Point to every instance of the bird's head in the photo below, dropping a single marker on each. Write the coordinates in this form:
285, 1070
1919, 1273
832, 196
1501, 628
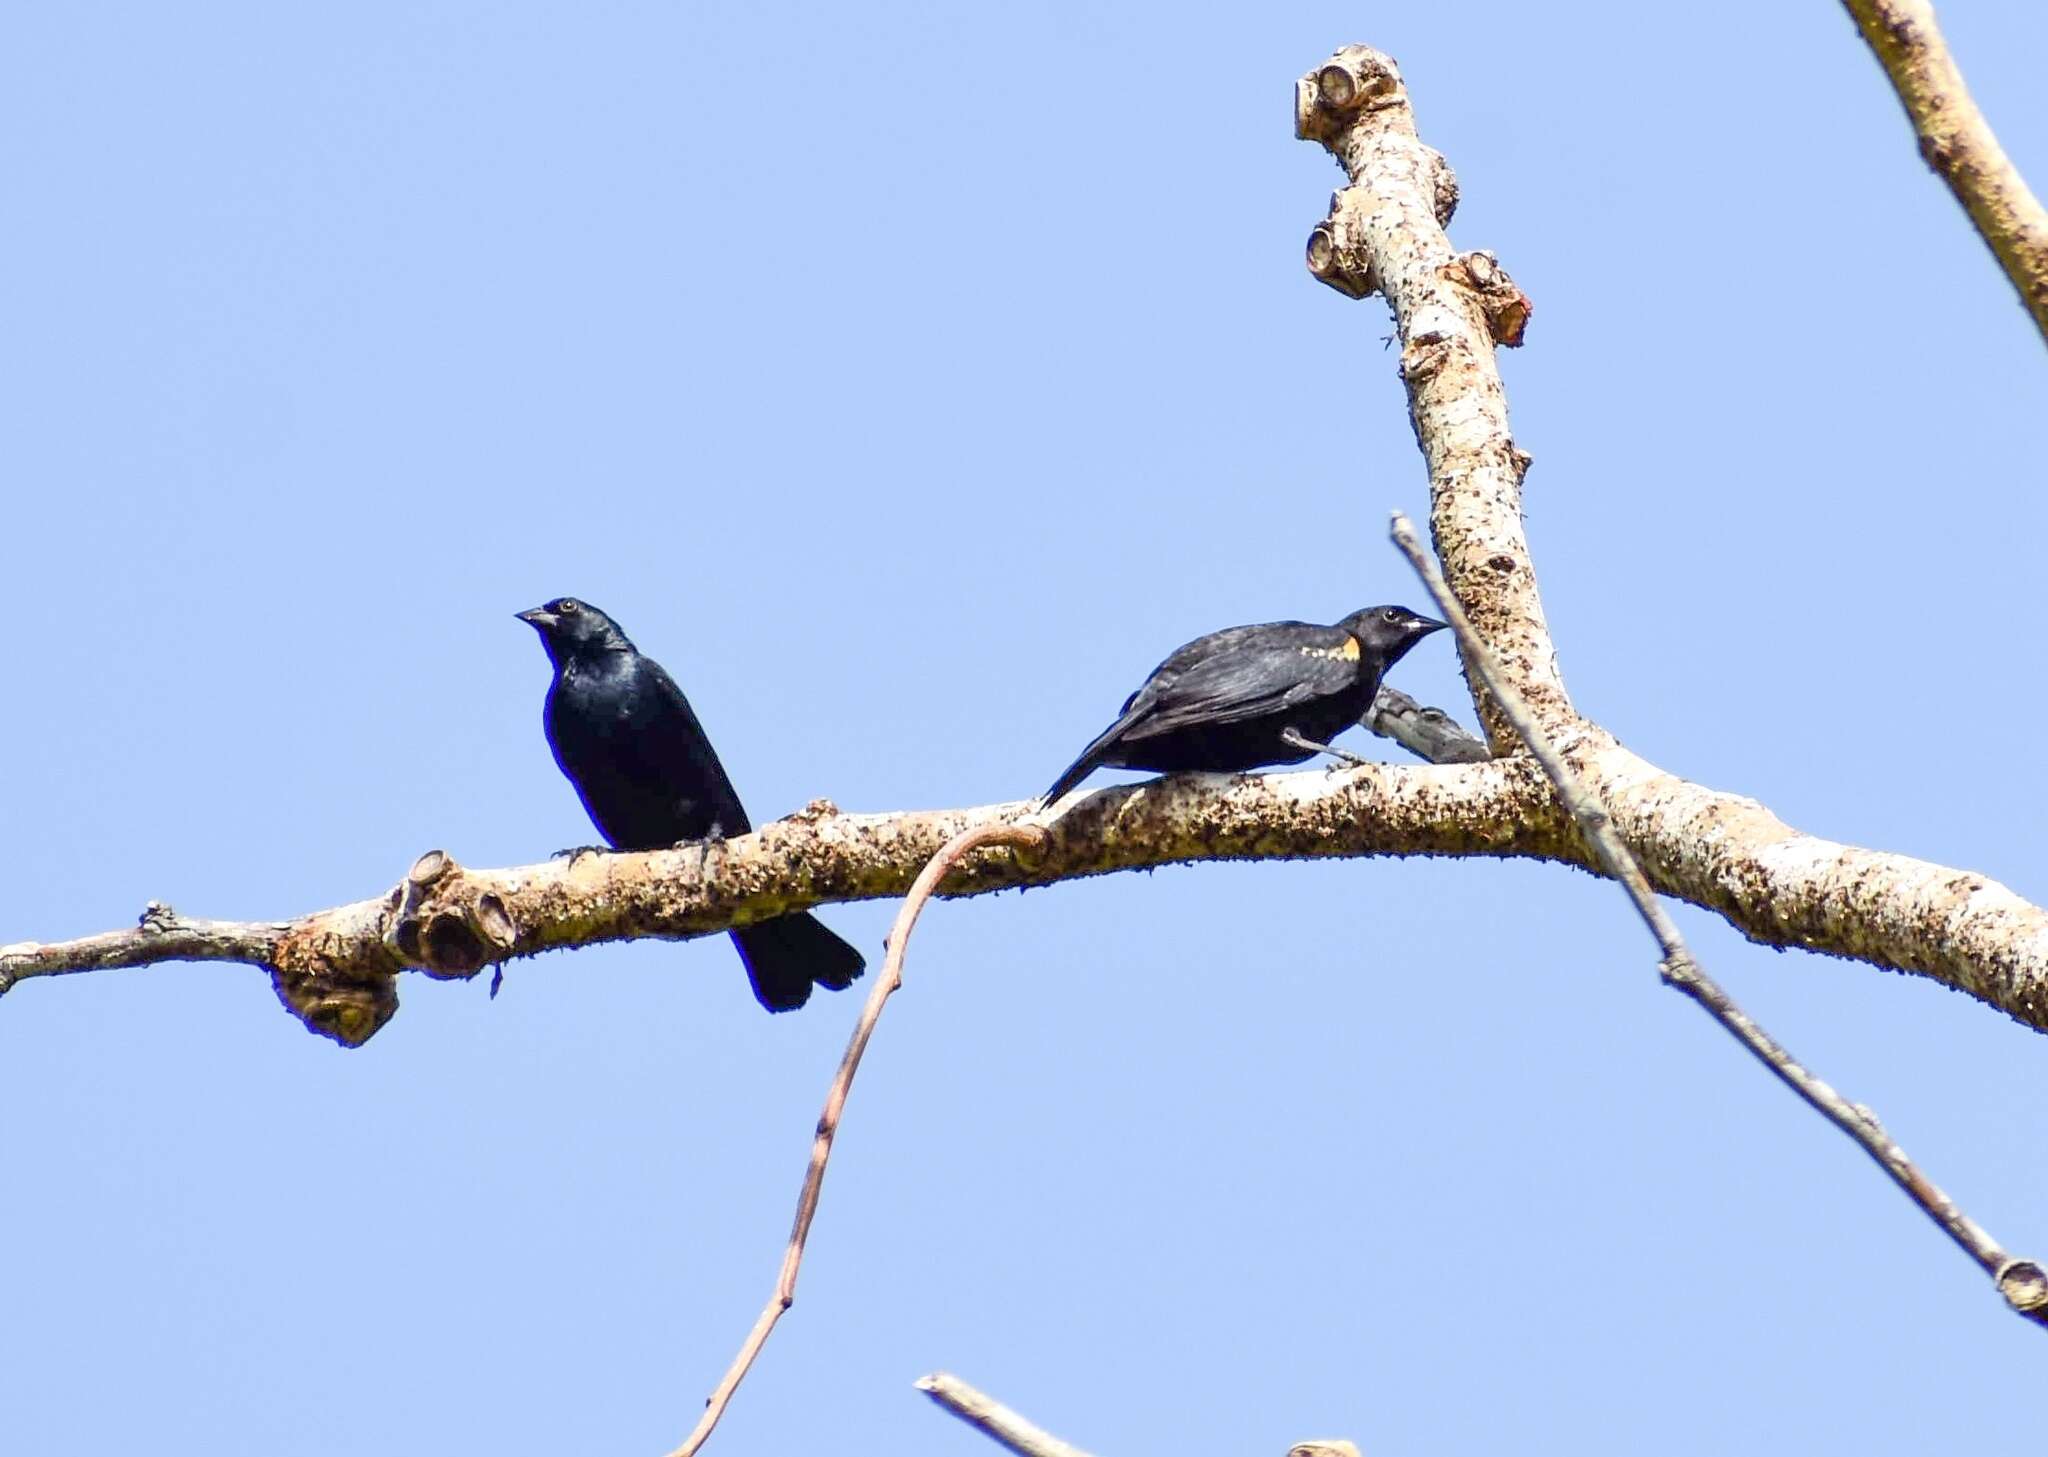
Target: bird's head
569, 627
1389, 631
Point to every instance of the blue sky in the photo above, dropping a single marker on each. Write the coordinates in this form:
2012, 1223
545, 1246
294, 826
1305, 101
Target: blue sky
910, 381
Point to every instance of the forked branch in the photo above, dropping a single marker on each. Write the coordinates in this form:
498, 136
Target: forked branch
1385, 235
2023, 1283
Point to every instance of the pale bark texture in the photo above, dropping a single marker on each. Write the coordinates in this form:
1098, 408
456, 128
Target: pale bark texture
994, 1420
337, 969
1958, 142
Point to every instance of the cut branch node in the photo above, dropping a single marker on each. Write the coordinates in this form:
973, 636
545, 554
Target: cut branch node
451, 948
2024, 1285
1443, 186
1342, 268
1506, 307
1356, 80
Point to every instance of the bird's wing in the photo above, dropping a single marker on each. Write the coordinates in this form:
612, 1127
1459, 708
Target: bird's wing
673, 747
1225, 677
1268, 671
1209, 648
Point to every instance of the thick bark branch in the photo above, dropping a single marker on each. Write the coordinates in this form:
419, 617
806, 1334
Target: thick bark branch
1959, 144
1780, 887
2022, 1282
335, 969
1385, 234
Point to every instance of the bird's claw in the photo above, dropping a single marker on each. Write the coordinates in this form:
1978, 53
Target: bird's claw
1295, 739
714, 839
576, 852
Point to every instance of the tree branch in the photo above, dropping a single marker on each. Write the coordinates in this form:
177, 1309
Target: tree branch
335, 969
993, 836
1429, 734
992, 1419
2023, 1283
1958, 143
1385, 234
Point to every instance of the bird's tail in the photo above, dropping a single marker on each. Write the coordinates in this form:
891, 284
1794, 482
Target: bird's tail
1092, 758
785, 955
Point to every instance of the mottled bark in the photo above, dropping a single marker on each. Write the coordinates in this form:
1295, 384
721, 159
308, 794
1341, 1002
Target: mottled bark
336, 968
1958, 143
1385, 233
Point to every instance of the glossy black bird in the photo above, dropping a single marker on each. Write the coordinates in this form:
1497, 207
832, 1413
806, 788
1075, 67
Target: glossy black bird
1274, 693
625, 736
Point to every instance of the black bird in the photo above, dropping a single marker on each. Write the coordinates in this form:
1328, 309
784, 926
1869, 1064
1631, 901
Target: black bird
625, 736
1274, 693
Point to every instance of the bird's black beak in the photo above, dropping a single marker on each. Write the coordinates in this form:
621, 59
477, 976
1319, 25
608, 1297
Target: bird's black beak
1424, 626
538, 618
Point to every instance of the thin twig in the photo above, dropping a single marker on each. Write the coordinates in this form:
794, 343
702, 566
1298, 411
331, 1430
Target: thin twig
993, 1419
160, 934
1958, 142
949, 857
2023, 1283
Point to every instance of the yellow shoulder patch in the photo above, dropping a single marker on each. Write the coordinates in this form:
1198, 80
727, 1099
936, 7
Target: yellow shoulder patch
1347, 653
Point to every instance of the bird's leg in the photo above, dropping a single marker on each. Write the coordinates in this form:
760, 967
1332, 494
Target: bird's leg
712, 839
1296, 740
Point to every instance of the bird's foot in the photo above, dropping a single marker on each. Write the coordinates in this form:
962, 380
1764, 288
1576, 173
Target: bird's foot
1346, 758
576, 852
714, 840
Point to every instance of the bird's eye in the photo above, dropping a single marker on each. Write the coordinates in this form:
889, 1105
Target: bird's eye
568, 607
1392, 614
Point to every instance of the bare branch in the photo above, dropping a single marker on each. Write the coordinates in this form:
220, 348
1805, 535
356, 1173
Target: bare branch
2022, 1282
1385, 234
335, 969
993, 1419
1958, 142
949, 858
1727, 853
1427, 733
160, 935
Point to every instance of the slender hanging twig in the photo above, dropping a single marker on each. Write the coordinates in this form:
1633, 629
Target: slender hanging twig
2023, 1283
955, 850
